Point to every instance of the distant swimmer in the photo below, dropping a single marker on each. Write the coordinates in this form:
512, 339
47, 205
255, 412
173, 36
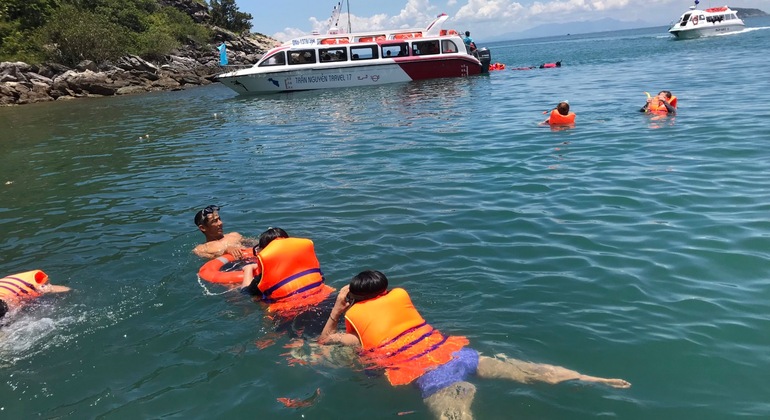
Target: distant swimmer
663, 103
217, 242
393, 336
550, 65
18, 289
542, 66
560, 115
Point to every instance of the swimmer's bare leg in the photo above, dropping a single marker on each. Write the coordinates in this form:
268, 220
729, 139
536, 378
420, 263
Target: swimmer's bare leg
452, 402
527, 372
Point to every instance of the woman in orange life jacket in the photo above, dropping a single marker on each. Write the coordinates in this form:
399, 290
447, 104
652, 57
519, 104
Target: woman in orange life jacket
560, 115
288, 277
18, 289
664, 103
393, 336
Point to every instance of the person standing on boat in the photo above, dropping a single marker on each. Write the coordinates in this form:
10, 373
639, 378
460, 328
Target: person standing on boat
469, 41
217, 242
393, 336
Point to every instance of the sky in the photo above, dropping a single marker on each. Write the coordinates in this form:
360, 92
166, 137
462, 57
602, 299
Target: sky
484, 18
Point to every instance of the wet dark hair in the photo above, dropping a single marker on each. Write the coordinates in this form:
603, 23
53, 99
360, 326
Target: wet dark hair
201, 216
367, 285
3, 308
467, 33
268, 236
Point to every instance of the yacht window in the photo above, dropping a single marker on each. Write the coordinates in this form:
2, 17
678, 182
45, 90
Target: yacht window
363, 53
277, 59
425, 47
448, 46
302, 57
333, 54
395, 50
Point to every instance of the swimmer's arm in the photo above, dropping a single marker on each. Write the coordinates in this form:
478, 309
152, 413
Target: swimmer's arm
330, 335
248, 274
54, 288
209, 250
669, 107
214, 249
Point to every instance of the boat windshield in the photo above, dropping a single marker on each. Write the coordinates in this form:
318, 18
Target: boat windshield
276, 59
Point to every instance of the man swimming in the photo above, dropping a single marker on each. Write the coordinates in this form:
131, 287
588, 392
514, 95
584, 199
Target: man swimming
217, 242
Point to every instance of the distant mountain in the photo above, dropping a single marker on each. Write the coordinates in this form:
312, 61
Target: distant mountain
744, 13
554, 29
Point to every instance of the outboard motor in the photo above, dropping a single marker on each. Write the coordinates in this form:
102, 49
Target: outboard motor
485, 56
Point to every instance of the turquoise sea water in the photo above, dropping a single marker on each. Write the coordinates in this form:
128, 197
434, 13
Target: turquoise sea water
626, 247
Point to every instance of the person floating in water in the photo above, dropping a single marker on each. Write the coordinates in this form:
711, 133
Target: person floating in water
287, 275
393, 336
550, 65
561, 115
217, 242
663, 103
18, 289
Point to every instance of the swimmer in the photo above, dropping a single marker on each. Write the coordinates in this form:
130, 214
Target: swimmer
217, 242
560, 115
663, 103
394, 336
287, 275
18, 289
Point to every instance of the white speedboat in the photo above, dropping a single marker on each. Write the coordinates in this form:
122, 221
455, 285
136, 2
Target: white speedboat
713, 21
337, 60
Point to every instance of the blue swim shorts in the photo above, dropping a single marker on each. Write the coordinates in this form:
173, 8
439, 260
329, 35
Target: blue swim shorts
464, 363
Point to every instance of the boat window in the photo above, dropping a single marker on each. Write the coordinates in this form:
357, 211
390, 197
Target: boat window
395, 50
448, 46
425, 47
302, 57
333, 54
363, 53
277, 59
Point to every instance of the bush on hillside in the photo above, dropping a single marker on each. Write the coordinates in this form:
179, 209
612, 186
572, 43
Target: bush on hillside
73, 35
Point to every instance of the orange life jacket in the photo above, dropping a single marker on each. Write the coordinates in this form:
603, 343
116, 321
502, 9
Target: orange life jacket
23, 286
557, 119
394, 336
657, 106
291, 276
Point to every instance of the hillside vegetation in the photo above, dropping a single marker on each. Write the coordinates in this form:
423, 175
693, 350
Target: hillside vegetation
70, 31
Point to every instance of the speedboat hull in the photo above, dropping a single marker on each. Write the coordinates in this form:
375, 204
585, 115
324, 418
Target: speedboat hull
396, 71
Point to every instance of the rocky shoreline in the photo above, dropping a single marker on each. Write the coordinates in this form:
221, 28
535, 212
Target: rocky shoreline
22, 83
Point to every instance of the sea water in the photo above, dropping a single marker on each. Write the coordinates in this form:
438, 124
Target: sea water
629, 246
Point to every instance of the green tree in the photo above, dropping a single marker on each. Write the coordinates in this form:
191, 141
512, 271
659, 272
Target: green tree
73, 35
224, 13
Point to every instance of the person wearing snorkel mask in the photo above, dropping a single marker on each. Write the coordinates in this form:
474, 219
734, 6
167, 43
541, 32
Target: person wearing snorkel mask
217, 242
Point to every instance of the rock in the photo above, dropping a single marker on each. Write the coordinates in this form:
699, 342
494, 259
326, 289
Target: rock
86, 65
190, 65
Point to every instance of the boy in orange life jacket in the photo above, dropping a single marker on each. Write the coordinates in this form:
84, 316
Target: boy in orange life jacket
217, 242
18, 289
393, 336
561, 115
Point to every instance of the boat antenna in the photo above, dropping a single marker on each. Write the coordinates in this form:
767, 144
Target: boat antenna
335, 17
349, 28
